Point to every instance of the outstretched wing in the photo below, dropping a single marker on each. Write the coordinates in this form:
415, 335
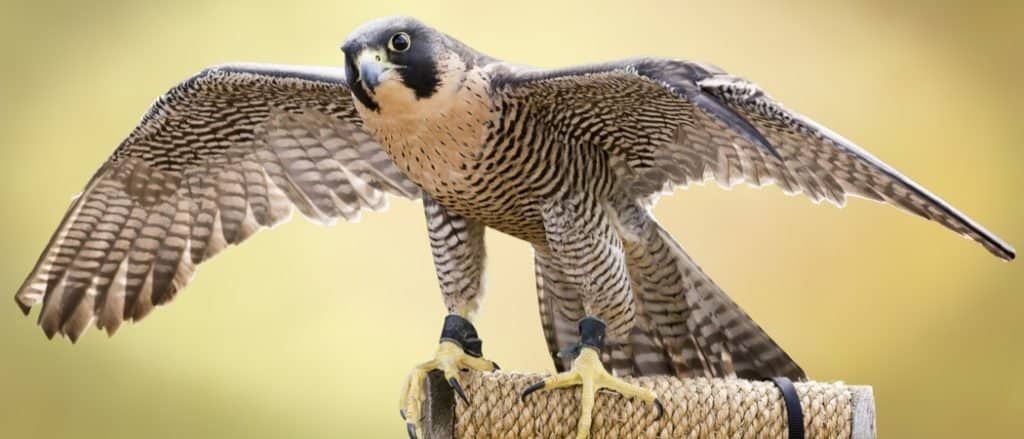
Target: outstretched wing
672, 123
220, 156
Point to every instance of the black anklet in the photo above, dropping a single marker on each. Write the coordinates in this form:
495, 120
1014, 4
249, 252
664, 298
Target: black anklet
591, 335
459, 331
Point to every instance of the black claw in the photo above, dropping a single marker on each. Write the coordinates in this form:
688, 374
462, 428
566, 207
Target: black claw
661, 409
412, 430
458, 389
496, 367
402, 413
533, 388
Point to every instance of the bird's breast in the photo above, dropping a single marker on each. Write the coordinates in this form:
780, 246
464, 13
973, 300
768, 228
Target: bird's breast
454, 155
437, 149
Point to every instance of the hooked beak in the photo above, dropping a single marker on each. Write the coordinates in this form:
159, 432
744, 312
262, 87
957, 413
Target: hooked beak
373, 68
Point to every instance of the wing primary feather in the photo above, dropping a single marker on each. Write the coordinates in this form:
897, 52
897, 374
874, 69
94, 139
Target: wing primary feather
993, 243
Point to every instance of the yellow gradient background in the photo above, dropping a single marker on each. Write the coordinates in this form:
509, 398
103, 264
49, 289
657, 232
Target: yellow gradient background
307, 332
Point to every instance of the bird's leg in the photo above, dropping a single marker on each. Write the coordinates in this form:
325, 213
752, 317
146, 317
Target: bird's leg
457, 244
459, 349
588, 372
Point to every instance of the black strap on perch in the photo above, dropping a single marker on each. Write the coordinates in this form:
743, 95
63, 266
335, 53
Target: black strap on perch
794, 414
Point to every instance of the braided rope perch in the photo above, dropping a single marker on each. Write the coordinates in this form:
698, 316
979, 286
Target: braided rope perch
694, 408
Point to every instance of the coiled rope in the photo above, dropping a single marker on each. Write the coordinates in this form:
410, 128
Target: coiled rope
694, 408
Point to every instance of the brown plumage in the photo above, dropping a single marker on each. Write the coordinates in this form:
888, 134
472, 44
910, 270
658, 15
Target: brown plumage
567, 160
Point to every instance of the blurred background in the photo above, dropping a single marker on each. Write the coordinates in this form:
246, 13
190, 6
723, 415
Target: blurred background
308, 332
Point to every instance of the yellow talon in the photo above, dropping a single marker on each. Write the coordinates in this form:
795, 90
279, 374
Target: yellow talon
450, 358
588, 372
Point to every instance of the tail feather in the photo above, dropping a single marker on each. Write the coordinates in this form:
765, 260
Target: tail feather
703, 332
685, 324
642, 355
559, 330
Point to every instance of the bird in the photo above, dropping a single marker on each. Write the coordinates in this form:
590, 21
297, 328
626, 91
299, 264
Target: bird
569, 160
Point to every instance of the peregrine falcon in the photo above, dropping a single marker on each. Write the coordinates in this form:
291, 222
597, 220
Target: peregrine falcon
568, 160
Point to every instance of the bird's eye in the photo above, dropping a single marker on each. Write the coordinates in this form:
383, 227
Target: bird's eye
399, 42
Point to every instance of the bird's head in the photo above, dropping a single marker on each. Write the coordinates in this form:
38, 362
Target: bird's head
401, 66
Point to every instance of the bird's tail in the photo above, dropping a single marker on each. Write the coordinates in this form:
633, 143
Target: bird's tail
686, 324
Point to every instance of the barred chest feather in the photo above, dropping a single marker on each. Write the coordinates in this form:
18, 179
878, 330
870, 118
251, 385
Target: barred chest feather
436, 140
446, 145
